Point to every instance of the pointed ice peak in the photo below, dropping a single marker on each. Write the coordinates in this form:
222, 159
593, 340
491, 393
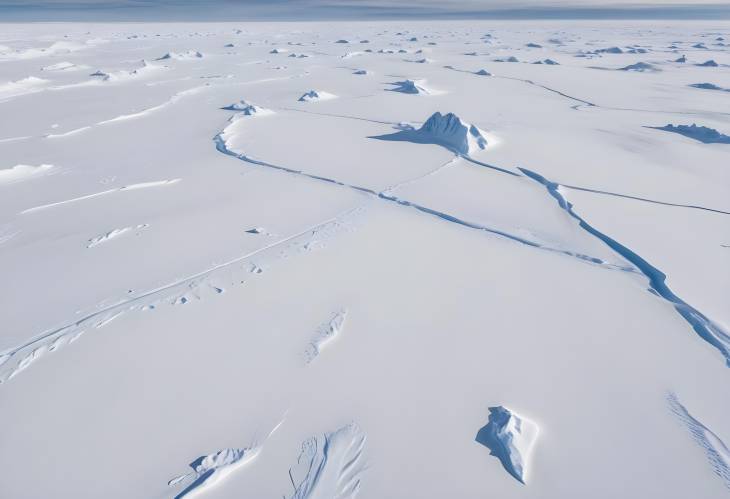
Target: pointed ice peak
450, 131
511, 438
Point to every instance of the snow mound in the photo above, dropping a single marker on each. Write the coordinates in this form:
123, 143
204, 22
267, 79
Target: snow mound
446, 130
550, 62
703, 134
508, 59
60, 66
641, 67
316, 95
325, 334
708, 64
609, 50
483, 72
278, 51
248, 109
330, 465
18, 173
23, 86
181, 56
361, 72
411, 87
511, 438
449, 130
210, 470
709, 86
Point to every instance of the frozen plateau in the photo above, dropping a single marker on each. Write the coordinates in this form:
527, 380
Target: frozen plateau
437, 259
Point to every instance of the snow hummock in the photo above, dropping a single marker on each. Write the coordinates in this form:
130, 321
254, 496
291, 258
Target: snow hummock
511, 438
316, 95
483, 72
411, 87
639, 67
708, 64
18, 173
102, 238
709, 86
181, 56
700, 133
360, 72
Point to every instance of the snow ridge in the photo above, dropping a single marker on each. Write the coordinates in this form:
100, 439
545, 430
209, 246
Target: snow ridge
330, 466
325, 334
453, 133
717, 452
210, 470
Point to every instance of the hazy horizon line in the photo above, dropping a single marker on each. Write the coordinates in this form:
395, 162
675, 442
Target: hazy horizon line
84, 12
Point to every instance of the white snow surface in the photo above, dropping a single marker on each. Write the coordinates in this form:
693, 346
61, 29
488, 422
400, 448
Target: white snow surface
188, 252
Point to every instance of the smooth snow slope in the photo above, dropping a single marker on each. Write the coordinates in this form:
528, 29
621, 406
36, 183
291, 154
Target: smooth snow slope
191, 256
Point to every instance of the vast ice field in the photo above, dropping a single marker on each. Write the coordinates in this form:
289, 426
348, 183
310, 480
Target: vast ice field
373, 260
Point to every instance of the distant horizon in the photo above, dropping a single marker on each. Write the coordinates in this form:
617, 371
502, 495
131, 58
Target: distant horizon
311, 10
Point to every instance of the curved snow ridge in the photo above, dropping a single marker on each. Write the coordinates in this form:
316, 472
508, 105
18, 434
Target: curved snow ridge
702, 134
330, 466
511, 438
131, 187
209, 471
17, 359
63, 66
316, 95
107, 236
705, 328
325, 334
172, 100
717, 452
19, 173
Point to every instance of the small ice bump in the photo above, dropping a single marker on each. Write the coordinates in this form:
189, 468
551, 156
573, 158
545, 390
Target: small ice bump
416, 87
483, 72
316, 95
511, 438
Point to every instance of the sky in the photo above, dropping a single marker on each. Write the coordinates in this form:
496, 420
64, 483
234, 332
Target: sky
239, 10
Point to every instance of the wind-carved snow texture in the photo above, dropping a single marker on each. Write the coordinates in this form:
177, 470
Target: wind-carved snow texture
102, 238
717, 452
15, 360
325, 334
709, 331
702, 134
209, 471
510, 438
330, 466
446, 130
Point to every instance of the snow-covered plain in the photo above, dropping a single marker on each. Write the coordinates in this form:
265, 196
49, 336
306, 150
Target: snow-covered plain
251, 260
